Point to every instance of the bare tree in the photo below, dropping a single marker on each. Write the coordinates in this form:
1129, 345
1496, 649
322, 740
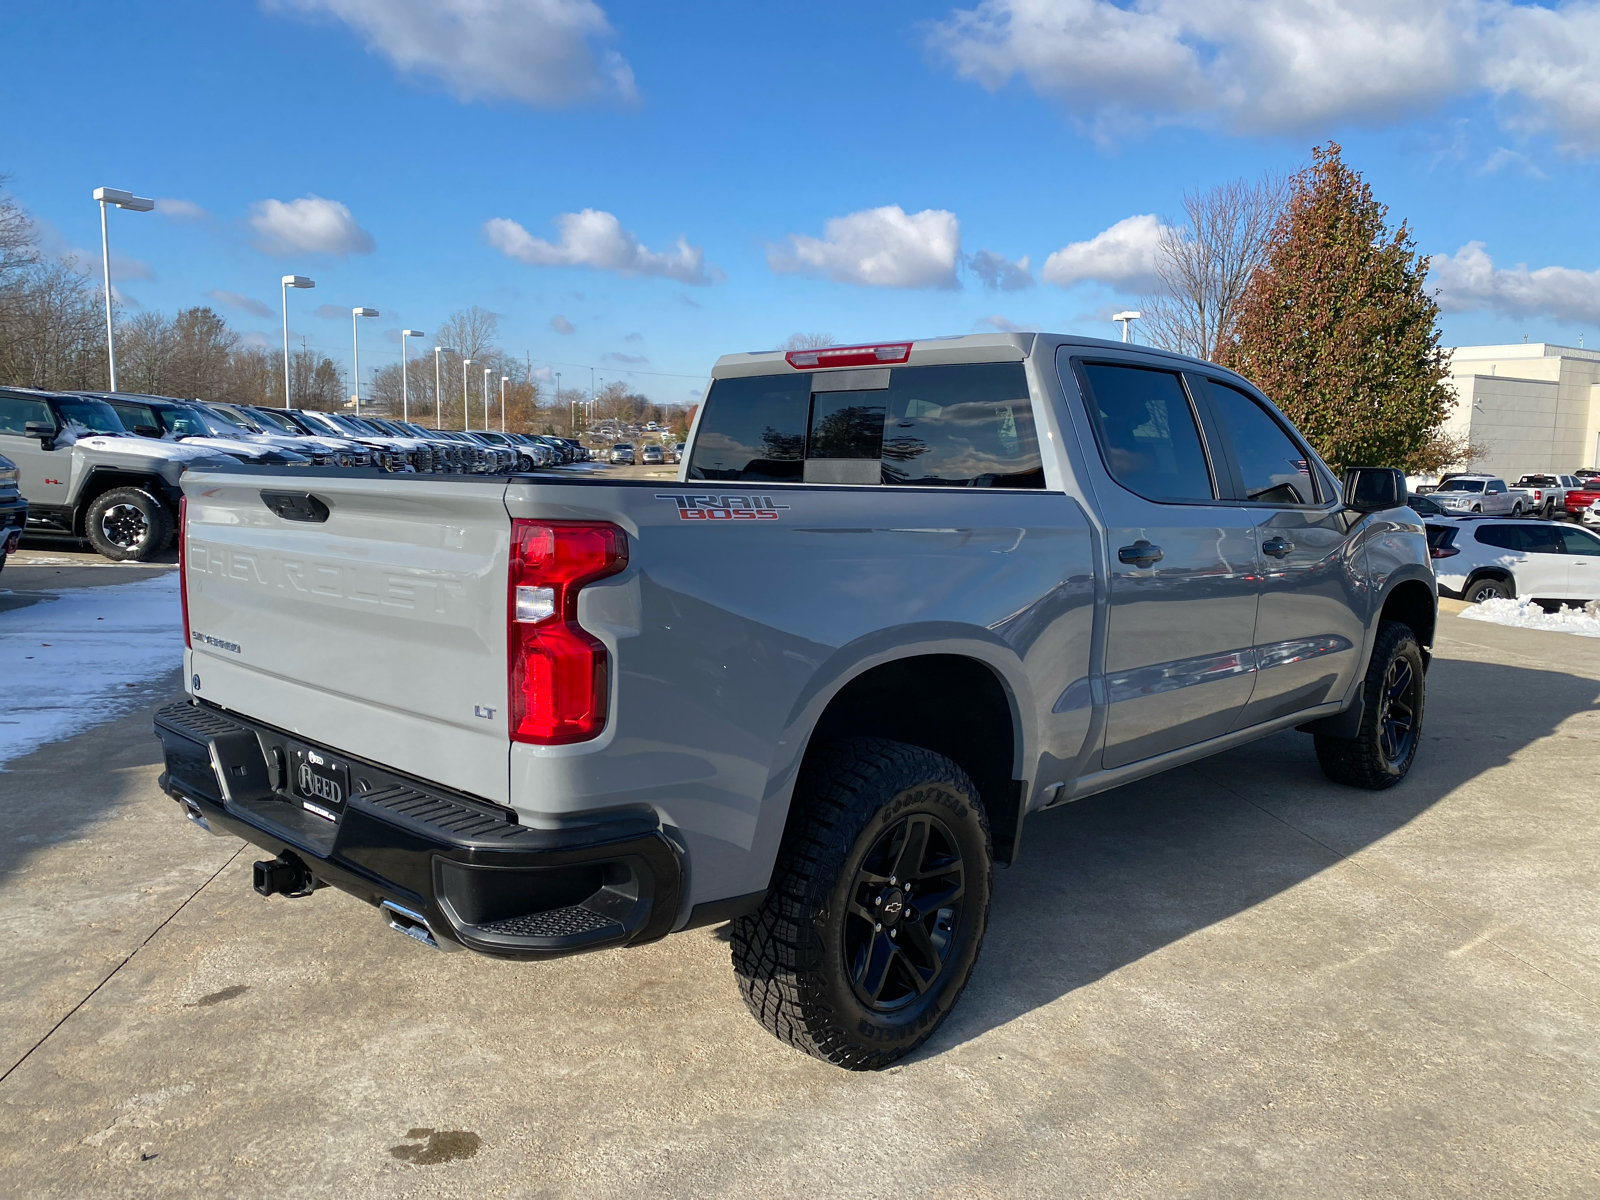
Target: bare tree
1205, 265
807, 341
51, 329
17, 249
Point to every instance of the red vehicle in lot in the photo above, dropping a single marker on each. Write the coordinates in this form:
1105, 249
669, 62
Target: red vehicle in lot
1580, 498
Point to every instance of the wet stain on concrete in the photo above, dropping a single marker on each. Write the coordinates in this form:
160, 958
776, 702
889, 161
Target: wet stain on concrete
227, 993
438, 1146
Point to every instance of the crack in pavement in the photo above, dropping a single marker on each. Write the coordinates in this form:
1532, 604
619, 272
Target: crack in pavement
112, 973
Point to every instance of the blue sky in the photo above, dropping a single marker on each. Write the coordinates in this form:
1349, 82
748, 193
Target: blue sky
670, 183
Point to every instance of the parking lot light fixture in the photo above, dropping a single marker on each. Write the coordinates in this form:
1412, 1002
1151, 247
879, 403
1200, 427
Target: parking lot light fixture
290, 281
405, 400
487, 371
125, 200
355, 340
504, 379
1127, 319
438, 387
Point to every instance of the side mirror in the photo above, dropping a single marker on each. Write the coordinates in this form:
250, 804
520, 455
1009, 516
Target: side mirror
1374, 489
43, 430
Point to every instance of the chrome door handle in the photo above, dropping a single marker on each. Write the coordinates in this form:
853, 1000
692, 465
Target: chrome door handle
1141, 553
1277, 547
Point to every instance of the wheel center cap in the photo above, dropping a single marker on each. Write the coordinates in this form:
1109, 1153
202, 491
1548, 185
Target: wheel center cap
894, 906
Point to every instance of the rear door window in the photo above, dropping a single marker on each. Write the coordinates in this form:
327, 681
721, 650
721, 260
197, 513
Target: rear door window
1147, 432
1274, 469
1502, 537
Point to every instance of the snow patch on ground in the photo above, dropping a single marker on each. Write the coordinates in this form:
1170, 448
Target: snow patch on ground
81, 657
1525, 614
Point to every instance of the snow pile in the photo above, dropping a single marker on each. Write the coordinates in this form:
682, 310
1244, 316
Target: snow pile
82, 657
1525, 614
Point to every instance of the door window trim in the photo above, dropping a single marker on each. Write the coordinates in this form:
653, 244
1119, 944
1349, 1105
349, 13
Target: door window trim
1078, 361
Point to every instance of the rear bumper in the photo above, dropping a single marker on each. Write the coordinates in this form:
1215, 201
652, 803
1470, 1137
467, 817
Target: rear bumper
460, 864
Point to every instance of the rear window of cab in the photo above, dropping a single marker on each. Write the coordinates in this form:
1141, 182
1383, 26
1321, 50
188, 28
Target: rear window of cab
957, 425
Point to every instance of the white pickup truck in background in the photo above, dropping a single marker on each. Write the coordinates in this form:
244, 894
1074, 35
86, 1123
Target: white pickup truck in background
1487, 494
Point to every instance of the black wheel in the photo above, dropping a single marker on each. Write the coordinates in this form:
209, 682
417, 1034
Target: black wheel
1480, 590
878, 904
1381, 754
1477, 508
1516, 509
128, 525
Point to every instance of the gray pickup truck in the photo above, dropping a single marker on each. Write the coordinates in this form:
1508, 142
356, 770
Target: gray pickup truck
899, 598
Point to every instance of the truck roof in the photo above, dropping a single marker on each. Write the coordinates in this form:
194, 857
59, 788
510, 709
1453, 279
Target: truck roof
919, 352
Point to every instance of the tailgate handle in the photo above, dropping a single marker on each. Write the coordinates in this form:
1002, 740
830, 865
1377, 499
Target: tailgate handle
296, 506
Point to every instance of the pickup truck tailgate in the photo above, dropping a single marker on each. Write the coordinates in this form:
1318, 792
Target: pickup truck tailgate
369, 617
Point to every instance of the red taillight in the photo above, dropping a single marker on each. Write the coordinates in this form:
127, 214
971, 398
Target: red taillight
558, 670
849, 356
183, 563
1444, 551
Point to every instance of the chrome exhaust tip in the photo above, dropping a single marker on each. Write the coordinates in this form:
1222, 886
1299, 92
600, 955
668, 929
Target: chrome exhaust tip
414, 925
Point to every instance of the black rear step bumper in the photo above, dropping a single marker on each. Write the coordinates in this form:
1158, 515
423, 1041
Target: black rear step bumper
460, 864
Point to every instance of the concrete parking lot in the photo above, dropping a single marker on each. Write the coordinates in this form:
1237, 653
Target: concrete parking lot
1235, 979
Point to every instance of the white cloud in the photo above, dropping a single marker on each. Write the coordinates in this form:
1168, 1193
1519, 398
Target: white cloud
332, 312
1275, 66
1503, 158
561, 325
1469, 280
879, 247
540, 52
1123, 256
181, 210
243, 303
52, 244
635, 359
592, 238
999, 273
310, 224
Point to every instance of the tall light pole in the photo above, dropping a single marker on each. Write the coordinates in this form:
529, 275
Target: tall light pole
438, 387
132, 203
465, 363
487, 371
355, 340
1127, 319
290, 281
558, 388
504, 379
405, 400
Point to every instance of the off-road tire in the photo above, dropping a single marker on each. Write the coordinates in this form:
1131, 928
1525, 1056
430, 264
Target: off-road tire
1516, 509
1487, 588
851, 801
139, 546
1373, 759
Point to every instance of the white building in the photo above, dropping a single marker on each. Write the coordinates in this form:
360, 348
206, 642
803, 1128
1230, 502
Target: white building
1531, 407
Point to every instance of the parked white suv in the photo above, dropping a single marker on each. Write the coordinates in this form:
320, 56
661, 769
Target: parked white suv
1476, 559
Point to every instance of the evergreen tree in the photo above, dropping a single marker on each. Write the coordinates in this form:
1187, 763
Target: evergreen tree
1338, 328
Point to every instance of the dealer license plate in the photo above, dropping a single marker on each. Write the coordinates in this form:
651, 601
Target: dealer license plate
321, 783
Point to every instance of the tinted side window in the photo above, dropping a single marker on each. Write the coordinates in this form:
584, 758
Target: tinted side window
1497, 487
1502, 537
753, 428
1275, 470
966, 425
136, 414
15, 413
846, 425
1147, 432
1579, 541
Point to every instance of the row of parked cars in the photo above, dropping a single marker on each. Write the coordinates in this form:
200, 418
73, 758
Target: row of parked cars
1540, 495
105, 465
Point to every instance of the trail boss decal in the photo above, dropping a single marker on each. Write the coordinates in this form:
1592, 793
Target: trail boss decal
724, 508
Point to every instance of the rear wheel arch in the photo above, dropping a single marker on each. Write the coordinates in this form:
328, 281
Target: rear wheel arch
952, 704
1498, 573
1412, 602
